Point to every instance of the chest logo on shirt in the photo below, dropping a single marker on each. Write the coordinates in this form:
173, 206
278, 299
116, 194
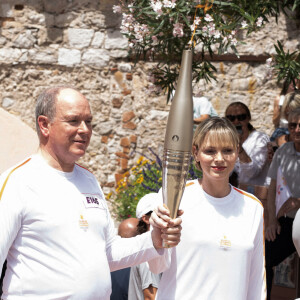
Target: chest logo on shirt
93, 201
225, 243
83, 224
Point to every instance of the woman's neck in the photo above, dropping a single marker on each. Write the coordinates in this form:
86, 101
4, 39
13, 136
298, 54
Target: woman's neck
218, 188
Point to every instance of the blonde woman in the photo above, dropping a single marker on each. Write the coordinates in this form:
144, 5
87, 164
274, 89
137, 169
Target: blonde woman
221, 254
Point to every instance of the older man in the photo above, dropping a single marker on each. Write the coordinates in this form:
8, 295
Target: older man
55, 228
285, 178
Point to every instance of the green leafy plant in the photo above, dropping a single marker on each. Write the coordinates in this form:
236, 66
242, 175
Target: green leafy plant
145, 177
162, 29
286, 66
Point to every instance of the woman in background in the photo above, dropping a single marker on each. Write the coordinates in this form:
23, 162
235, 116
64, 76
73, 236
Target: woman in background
252, 164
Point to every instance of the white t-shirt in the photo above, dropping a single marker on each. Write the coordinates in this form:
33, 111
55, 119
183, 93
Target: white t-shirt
202, 106
58, 236
221, 253
256, 171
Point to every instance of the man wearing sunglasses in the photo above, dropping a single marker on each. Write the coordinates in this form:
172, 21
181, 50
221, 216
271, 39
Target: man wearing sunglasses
279, 244
252, 165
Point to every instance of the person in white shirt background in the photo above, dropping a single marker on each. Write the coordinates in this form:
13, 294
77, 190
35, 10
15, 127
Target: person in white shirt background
252, 164
279, 243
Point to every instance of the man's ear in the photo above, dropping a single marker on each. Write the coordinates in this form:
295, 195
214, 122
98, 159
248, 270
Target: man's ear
44, 123
146, 218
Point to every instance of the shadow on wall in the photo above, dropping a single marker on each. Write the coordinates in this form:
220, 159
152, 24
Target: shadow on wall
18, 140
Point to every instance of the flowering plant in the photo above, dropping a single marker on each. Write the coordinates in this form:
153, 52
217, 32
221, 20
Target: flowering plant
164, 28
145, 177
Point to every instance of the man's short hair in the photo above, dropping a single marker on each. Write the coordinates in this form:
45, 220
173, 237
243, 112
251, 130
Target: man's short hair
46, 104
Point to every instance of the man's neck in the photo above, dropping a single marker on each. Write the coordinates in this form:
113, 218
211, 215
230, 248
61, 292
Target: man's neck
54, 161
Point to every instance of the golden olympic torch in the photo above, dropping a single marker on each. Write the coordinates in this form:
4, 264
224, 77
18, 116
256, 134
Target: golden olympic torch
178, 139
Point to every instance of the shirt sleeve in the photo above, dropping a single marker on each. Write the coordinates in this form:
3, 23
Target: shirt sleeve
272, 173
147, 277
257, 276
256, 149
161, 263
10, 216
126, 252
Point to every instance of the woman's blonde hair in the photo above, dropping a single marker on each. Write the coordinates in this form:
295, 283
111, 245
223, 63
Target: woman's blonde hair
219, 130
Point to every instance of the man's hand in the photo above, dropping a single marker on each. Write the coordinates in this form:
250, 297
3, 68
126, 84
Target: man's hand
165, 229
273, 229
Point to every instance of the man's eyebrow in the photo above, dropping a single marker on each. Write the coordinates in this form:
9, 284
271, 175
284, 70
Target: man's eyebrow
75, 116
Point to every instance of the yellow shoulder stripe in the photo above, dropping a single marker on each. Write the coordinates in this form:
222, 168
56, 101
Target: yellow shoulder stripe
249, 195
188, 184
5, 182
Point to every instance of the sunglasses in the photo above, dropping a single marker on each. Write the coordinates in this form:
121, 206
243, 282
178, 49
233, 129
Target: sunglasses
241, 117
293, 125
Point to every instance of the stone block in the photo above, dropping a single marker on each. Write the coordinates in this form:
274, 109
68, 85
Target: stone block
125, 67
2, 40
96, 58
115, 40
127, 116
104, 139
129, 76
124, 163
126, 150
110, 178
25, 40
39, 19
118, 53
133, 139
124, 142
129, 125
98, 39
10, 55
45, 56
80, 38
126, 92
105, 128
122, 155
117, 102
118, 177
7, 102
157, 115
24, 57
69, 57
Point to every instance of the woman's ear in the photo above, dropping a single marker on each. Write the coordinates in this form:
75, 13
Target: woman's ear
195, 152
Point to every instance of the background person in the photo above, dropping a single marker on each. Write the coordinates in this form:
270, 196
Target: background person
202, 109
143, 283
120, 278
252, 165
279, 244
281, 132
55, 226
221, 254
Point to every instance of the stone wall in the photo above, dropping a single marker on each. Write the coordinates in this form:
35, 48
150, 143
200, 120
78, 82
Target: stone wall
77, 42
